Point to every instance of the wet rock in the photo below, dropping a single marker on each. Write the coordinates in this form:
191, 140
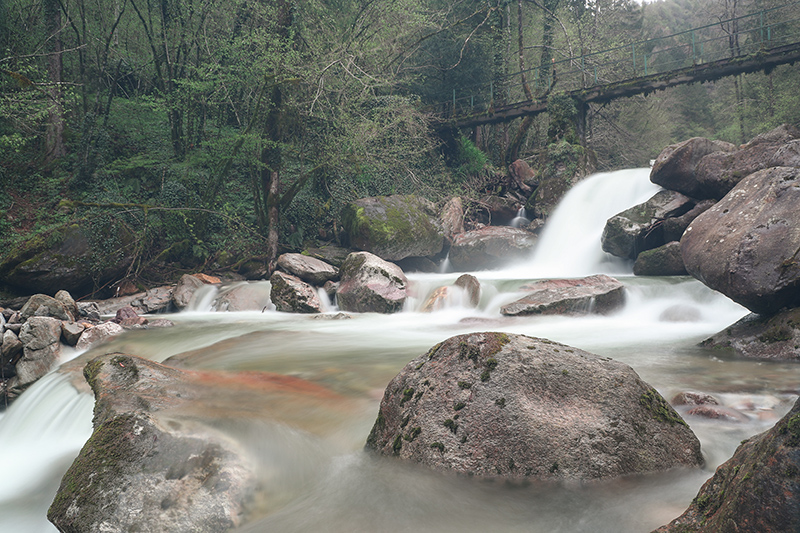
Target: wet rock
490, 247
307, 268
370, 284
452, 218
675, 166
436, 300
517, 407
89, 310
11, 346
470, 283
244, 297
160, 323
290, 294
501, 210
97, 334
523, 175
43, 305
637, 229
665, 260
206, 279
69, 303
335, 255
71, 332
680, 313
465, 291
185, 289
394, 227
151, 301
673, 227
694, 398
128, 318
40, 338
762, 337
142, 471
756, 490
599, 294
719, 173
718, 412
746, 246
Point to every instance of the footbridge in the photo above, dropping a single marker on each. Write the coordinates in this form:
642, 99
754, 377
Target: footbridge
758, 41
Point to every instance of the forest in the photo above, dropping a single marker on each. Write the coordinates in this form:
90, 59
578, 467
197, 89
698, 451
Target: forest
222, 131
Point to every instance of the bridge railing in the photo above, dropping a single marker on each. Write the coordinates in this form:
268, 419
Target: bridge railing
730, 38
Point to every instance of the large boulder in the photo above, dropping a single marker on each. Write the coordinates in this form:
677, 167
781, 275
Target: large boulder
637, 229
44, 305
599, 294
718, 173
665, 260
244, 297
185, 289
517, 407
452, 218
370, 284
151, 301
756, 490
290, 294
675, 166
394, 227
490, 247
40, 337
309, 269
746, 246
98, 334
140, 471
762, 337
76, 257
673, 227
465, 291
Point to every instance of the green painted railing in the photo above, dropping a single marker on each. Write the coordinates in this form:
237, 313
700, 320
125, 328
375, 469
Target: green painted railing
730, 38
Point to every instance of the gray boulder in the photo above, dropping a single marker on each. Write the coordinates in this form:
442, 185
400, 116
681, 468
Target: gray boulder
673, 227
490, 247
370, 284
675, 166
11, 346
309, 269
150, 301
140, 471
665, 260
40, 337
244, 297
599, 294
519, 408
762, 337
394, 227
637, 229
452, 218
98, 334
44, 305
756, 490
185, 289
746, 246
290, 294
71, 332
69, 303
470, 294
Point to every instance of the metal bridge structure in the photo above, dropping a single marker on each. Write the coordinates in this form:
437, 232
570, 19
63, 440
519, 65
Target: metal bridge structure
758, 41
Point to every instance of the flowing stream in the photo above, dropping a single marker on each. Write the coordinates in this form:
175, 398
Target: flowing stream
315, 473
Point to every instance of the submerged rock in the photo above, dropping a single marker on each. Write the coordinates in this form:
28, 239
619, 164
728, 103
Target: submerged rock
746, 246
517, 407
490, 247
756, 490
469, 294
370, 284
599, 294
762, 337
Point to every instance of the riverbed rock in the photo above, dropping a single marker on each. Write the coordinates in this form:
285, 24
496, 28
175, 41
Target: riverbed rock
69, 303
673, 227
370, 284
452, 218
600, 294
71, 332
244, 297
490, 247
665, 260
675, 166
394, 227
756, 490
151, 301
307, 268
517, 407
718, 412
746, 246
11, 346
330, 253
501, 210
290, 294
76, 257
637, 229
694, 398
97, 334
40, 336
128, 318
184, 290
145, 470
44, 305
762, 337
465, 291
718, 173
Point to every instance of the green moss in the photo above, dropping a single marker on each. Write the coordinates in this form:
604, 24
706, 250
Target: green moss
500, 402
793, 429
450, 424
407, 395
659, 408
413, 434
459, 406
464, 385
485, 375
777, 333
438, 446
397, 444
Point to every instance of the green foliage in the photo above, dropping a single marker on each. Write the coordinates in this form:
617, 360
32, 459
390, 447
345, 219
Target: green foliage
469, 158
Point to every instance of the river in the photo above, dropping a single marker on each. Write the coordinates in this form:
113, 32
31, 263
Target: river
315, 474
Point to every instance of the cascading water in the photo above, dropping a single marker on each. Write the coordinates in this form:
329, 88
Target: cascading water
323, 481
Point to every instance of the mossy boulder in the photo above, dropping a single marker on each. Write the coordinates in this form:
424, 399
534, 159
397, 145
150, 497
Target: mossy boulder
77, 257
394, 227
762, 337
665, 260
756, 490
522, 408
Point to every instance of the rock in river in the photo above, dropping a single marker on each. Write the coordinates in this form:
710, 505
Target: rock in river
599, 294
517, 407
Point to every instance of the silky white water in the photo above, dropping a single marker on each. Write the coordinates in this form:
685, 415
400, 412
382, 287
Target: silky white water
316, 477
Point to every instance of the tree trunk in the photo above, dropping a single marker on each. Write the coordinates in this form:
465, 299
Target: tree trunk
273, 218
54, 137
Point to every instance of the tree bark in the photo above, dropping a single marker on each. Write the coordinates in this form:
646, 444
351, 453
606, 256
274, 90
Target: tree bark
54, 137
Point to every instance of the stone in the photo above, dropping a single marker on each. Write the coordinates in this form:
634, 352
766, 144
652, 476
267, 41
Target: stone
501, 210
673, 227
680, 313
637, 229
207, 279
497, 405
761, 337
185, 289
719, 173
394, 227
44, 305
465, 291
244, 297
140, 471
523, 175
160, 323
40, 338
332, 254
11, 346
69, 303
307, 268
153, 300
472, 286
370, 284
665, 260
756, 490
718, 412
97, 334
71, 332
89, 310
290, 294
452, 218
490, 247
599, 294
128, 318
746, 246
675, 166
694, 398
